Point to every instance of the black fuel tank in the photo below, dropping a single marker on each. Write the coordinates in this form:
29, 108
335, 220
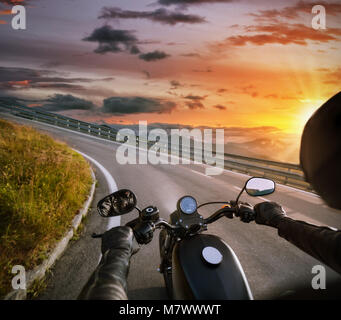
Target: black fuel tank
196, 278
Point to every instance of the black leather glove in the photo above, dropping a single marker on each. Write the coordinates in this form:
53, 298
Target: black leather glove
269, 214
143, 230
119, 237
246, 212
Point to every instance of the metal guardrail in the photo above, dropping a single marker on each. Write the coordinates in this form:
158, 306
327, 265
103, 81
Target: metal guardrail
284, 173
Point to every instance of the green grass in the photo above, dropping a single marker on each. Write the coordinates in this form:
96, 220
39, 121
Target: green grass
43, 184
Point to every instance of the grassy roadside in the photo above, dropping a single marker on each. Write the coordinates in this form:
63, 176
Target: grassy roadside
43, 183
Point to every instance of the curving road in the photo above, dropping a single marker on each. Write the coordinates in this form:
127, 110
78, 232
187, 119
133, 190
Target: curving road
272, 265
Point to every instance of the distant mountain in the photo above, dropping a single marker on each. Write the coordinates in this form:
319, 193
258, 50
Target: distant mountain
265, 148
268, 148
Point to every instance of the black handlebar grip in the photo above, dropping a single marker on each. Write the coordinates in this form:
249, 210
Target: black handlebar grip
143, 232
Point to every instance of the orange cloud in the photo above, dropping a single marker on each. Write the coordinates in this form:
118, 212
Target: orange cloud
282, 34
3, 22
331, 76
294, 12
219, 107
5, 12
12, 2
19, 83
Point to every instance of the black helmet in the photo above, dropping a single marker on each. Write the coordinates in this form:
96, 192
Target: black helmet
320, 154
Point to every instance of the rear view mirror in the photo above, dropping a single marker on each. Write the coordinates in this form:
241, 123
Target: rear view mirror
259, 187
118, 203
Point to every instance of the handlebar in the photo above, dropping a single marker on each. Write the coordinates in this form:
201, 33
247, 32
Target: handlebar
144, 230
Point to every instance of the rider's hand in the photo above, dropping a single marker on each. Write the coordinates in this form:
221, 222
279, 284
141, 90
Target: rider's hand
269, 213
246, 212
143, 230
119, 237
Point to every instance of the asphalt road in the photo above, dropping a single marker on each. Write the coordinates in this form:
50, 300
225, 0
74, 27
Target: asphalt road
271, 264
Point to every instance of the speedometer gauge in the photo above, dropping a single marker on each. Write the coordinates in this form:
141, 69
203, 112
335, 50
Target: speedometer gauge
188, 205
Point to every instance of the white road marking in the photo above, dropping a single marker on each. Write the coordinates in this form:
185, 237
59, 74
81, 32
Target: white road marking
264, 199
113, 221
202, 174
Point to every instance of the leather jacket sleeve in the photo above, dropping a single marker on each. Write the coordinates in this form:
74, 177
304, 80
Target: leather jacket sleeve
323, 243
109, 280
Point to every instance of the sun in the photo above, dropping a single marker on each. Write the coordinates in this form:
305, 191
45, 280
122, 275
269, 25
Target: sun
309, 106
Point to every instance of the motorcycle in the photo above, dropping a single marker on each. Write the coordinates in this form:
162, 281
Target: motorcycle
194, 265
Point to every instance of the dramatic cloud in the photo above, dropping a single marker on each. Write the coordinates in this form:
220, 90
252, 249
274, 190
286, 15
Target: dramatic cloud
60, 102
195, 102
192, 105
191, 55
207, 70
132, 105
195, 98
12, 78
6, 12
282, 34
219, 107
153, 56
26, 84
222, 90
111, 40
14, 2
282, 97
249, 90
175, 84
331, 76
13, 101
160, 15
293, 12
190, 2
21, 74
8, 74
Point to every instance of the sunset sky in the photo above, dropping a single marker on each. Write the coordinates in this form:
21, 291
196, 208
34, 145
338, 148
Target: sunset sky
256, 68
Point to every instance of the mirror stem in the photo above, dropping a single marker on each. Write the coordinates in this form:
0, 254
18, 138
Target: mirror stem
240, 193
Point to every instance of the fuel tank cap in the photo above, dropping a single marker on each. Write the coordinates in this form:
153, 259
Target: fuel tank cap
212, 255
